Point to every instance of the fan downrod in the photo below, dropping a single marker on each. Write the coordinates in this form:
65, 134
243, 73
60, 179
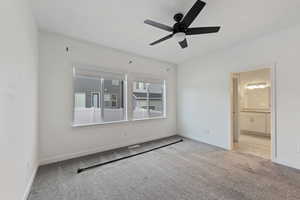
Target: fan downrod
178, 17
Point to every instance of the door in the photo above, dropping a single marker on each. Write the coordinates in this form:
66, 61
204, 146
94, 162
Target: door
96, 106
96, 100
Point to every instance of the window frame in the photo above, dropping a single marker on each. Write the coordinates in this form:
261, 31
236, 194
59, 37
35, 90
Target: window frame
128, 87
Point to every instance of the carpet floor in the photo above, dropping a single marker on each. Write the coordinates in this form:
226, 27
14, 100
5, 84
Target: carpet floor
188, 170
255, 145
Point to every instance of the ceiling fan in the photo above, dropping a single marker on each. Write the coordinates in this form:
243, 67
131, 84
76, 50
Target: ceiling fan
181, 28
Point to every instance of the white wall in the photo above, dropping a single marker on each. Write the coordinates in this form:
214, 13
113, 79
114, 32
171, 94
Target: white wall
18, 99
204, 91
58, 140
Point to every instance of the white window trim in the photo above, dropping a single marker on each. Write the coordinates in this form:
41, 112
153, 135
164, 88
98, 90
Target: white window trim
102, 123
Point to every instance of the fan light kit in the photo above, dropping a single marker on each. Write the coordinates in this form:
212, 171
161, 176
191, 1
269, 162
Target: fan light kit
179, 37
257, 86
181, 28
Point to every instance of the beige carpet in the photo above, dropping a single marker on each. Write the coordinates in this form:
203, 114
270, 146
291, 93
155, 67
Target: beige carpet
185, 171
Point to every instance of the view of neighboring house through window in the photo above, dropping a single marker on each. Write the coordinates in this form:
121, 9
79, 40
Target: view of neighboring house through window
148, 99
101, 97
98, 97
156, 94
113, 99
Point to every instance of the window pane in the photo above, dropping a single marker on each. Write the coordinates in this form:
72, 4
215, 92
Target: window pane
140, 101
86, 100
113, 100
148, 100
98, 96
155, 100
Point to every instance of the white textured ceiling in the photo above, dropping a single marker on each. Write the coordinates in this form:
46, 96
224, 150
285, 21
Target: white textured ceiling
119, 23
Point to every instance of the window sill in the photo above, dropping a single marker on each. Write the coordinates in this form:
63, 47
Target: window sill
150, 118
116, 122
102, 123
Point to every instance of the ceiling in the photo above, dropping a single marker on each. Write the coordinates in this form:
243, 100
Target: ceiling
119, 24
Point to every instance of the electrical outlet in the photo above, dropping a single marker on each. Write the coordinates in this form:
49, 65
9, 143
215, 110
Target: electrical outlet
206, 132
298, 148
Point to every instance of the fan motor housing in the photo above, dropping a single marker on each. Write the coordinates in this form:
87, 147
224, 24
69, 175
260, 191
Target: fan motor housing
179, 27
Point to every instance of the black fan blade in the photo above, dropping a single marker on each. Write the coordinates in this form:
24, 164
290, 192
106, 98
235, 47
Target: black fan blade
183, 43
162, 39
202, 30
193, 13
158, 25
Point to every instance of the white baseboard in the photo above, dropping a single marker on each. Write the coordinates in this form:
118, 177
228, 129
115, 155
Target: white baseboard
63, 157
277, 161
286, 163
205, 142
29, 185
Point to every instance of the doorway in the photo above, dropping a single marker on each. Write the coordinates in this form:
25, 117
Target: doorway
95, 100
252, 113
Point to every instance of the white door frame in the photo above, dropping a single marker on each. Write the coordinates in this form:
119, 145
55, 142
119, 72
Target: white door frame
234, 116
274, 115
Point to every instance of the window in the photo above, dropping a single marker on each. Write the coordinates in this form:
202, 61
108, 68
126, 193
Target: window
98, 97
148, 99
101, 97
